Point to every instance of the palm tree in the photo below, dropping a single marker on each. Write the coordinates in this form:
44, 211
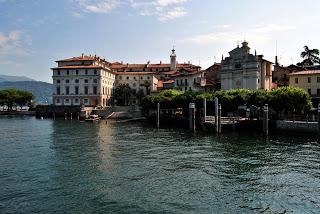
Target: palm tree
147, 85
310, 56
123, 94
140, 95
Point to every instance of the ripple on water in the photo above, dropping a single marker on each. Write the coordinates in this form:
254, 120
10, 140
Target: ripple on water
57, 166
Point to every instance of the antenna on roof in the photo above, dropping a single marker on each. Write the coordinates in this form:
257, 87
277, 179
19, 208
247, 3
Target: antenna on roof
215, 59
277, 61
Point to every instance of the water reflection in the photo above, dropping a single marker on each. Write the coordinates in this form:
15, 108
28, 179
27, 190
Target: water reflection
63, 166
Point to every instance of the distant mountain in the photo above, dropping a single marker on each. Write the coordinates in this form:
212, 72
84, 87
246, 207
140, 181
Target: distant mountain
6, 78
41, 90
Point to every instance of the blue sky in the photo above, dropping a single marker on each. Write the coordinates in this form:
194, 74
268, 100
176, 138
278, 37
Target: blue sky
35, 33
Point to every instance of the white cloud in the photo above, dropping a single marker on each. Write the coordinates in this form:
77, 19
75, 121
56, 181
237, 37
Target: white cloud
7, 62
225, 37
164, 10
98, 6
259, 34
176, 12
14, 43
268, 28
164, 3
221, 26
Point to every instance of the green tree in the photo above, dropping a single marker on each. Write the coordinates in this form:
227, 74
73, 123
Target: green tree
287, 99
290, 99
14, 97
310, 56
123, 94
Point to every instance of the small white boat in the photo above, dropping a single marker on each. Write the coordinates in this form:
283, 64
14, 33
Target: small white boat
93, 118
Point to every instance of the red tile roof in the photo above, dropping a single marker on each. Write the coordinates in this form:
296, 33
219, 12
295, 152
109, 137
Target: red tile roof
136, 73
78, 67
169, 72
168, 82
186, 74
153, 66
84, 58
305, 72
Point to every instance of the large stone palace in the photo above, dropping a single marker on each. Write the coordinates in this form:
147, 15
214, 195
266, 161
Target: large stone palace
91, 80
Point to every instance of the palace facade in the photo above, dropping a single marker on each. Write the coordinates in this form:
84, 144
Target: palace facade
84, 80
91, 80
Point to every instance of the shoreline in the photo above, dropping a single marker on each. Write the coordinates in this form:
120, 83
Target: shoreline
276, 126
18, 113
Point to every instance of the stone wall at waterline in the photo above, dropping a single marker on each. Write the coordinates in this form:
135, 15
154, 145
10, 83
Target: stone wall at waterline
297, 126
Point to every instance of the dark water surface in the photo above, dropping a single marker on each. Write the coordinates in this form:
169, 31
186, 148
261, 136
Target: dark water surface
69, 167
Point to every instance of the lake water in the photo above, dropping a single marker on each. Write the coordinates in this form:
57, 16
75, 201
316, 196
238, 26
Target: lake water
70, 167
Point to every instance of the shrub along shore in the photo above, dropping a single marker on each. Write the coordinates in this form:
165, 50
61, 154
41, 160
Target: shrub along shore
283, 99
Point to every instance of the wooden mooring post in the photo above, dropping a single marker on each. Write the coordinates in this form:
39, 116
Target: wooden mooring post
158, 115
216, 112
65, 116
192, 116
265, 123
319, 118
54, 116
71, 116
205, 109
219, 119
78, 116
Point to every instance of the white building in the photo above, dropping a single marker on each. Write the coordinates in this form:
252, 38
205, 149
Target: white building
189, 81
91, 81
84, 80
160, 73
244, 70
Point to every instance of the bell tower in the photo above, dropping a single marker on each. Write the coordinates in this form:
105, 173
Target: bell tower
173, 60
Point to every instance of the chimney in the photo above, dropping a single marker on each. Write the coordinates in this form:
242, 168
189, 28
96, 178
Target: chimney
82, 55
277, 61
160, 62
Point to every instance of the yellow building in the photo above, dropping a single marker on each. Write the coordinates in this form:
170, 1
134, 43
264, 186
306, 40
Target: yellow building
307, 80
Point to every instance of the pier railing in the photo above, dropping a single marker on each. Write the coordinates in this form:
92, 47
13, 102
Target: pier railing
224, 120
